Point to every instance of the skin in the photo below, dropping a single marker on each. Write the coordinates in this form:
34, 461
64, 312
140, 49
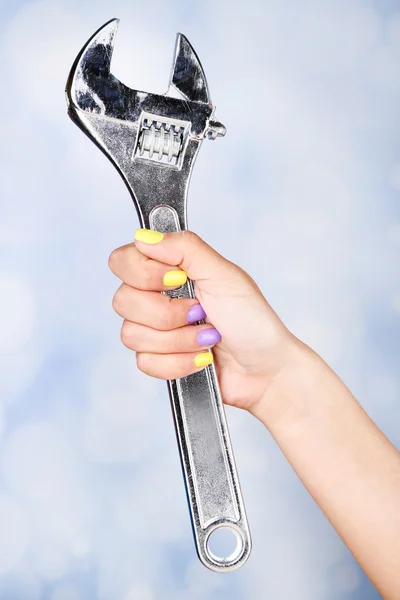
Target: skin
343, 459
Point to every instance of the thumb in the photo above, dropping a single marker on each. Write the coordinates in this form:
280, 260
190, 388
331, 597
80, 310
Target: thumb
186, 250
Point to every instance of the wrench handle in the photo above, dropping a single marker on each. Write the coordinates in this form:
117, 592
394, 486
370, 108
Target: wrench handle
210, 475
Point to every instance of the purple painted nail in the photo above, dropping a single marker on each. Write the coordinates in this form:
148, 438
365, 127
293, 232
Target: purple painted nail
208, 337
195, 313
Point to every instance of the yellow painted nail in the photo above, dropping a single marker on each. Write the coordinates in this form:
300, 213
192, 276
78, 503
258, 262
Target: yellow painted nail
148, 236
203, 359
175, 278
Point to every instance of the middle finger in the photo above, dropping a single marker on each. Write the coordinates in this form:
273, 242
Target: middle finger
155, 310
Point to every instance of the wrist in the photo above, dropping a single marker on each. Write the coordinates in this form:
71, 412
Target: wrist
291, 395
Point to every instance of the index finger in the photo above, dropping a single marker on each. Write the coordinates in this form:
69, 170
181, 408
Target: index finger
143, 273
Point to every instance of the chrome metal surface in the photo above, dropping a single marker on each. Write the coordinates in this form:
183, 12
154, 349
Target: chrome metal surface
153, 141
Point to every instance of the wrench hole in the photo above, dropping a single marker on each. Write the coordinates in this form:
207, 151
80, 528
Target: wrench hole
224, 544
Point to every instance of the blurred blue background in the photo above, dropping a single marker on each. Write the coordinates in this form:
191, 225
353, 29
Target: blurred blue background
303, 192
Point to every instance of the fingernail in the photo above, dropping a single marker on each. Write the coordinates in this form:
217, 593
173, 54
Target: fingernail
208, 337
203, 359
175, 278
195, 313
148, 236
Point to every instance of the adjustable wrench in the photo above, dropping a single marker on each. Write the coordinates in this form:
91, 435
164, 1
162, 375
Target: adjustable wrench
153, 141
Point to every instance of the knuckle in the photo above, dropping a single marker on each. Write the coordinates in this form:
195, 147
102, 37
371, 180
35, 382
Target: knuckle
146, 273
117, 301
142, 362
166, 318
177, 342
126, 336
114, 259
189, 237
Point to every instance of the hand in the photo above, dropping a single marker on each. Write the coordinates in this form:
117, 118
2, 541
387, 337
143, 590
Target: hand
251, 346
346, 463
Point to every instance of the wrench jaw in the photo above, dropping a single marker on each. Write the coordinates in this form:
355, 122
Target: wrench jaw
90, 71
89, 89
148, 137
187, 74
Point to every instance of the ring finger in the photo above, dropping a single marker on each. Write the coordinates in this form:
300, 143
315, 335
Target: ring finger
190, 338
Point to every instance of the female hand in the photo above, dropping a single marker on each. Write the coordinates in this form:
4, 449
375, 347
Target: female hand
251, 346
346, 463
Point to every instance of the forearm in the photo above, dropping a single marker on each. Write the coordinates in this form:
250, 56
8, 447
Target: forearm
343, 459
